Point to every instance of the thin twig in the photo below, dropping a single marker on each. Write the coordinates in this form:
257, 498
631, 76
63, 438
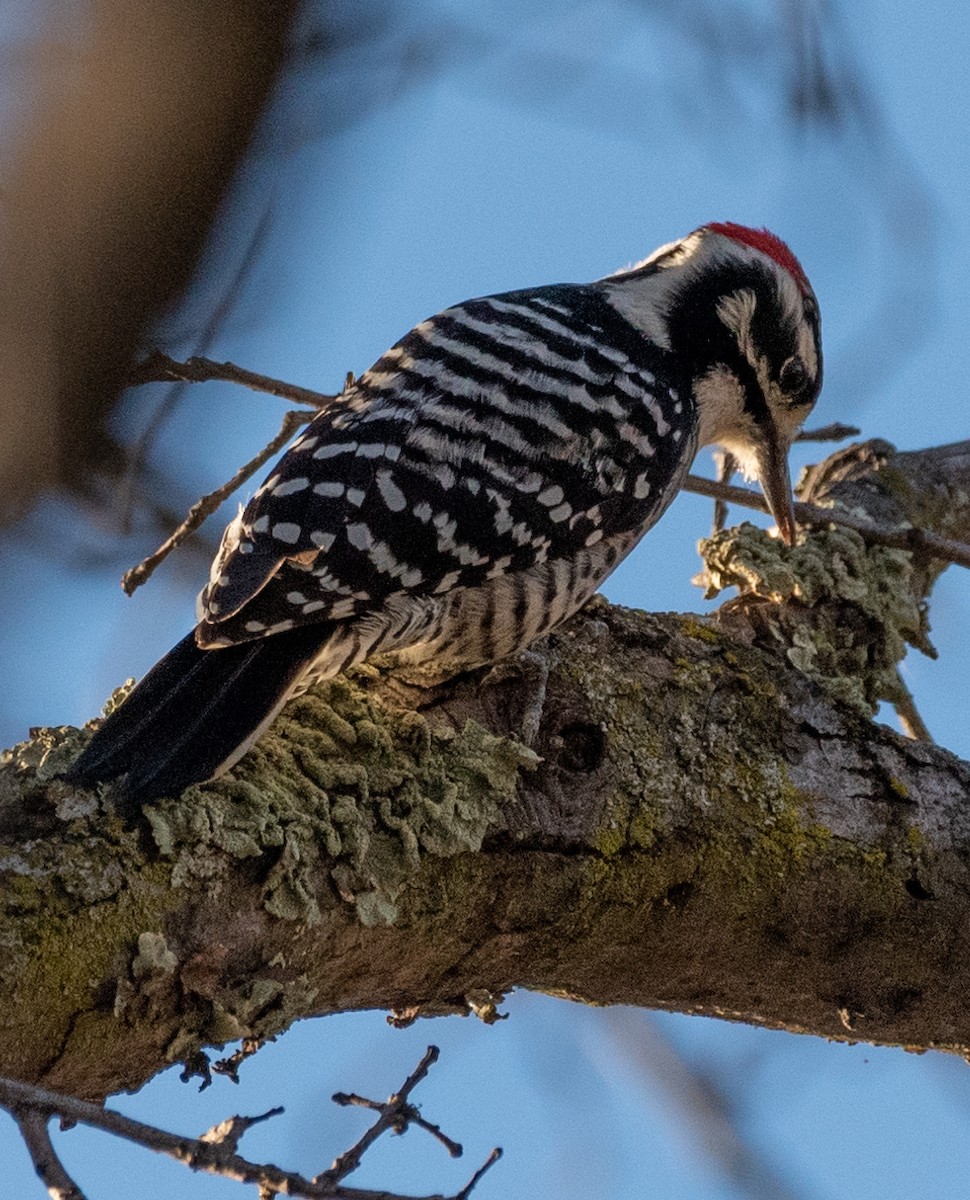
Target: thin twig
910, 721
455, 1149
134, 578
836, 432
726, 465
912, 539
230, 1131
32, 1106
492, 1159
159, 368
395, 1113
214, 321
50, 1170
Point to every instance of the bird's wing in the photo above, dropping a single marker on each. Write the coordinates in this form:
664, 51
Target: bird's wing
499, 434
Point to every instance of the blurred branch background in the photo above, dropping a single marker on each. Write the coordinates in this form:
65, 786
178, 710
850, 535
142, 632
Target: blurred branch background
131, 130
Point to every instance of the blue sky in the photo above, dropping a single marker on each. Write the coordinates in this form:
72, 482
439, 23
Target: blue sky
501, 171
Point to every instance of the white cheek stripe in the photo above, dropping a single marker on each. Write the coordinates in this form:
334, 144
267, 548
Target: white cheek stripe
737, 313
791, 296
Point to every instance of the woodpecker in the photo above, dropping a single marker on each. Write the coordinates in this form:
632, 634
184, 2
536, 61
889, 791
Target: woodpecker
475, 487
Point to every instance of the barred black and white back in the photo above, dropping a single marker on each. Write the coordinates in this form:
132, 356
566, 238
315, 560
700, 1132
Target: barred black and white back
475, 486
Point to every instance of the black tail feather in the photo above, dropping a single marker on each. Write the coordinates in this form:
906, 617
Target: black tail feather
192, 712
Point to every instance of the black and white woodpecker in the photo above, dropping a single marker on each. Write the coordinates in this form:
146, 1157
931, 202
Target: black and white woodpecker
476, 486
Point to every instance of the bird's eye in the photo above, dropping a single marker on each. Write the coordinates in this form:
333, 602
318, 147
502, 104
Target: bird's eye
793, 377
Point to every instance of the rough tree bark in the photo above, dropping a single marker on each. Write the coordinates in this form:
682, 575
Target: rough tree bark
706, 820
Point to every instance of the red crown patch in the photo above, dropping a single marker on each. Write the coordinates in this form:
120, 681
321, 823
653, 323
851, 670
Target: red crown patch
768, 244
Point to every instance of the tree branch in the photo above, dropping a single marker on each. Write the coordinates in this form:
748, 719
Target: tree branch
706, 820
32, 1124
215, 1152
207, 505
160, 368
917, 541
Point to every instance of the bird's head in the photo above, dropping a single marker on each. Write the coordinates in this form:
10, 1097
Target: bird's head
734, 308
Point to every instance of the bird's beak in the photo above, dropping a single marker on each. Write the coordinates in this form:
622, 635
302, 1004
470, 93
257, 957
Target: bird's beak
775, 482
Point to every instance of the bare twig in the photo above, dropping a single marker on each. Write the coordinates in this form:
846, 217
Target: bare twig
492, 1159
910, 721
50, 1170
726, 464
134, 578
159, 368
836, 432
214, 1152
912, 539
395, 1113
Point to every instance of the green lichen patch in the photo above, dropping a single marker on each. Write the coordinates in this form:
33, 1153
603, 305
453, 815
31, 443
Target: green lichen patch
696, 628
841, 611
342, 777
50, 750
154, 956
742, 843
46, 753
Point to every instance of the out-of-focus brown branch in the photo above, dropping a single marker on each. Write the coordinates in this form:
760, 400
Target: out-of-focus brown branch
115, 175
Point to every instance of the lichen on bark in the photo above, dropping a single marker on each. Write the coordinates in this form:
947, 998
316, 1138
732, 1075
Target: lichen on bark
374, 787
841, 611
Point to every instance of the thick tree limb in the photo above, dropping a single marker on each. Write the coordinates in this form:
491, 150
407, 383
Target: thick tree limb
706, 831
698, 825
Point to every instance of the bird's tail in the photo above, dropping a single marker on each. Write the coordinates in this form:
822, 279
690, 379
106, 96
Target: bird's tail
194, 714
